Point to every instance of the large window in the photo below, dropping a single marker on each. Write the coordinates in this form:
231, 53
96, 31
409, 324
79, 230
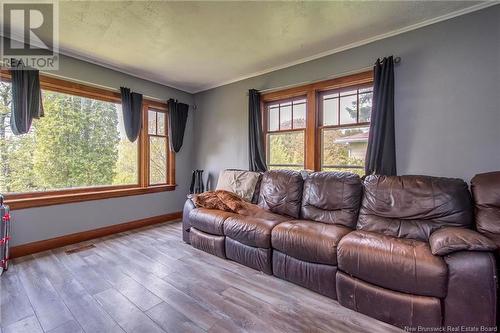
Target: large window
79, 150
344, 124
320, 126
286, 123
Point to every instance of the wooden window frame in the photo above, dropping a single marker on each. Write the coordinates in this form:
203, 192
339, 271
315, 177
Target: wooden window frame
311, 91
64, 196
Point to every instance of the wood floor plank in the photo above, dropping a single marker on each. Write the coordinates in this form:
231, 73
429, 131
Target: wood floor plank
126, 314
172, 320
27, 325
68, 327
14, 304
134, 291
86, 311
49, 308
242, 318
200, 313
136, 258
148, 280
85, 274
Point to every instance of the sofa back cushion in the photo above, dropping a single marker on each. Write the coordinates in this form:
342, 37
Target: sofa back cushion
281, 192
413, 206
332, 197
486, 193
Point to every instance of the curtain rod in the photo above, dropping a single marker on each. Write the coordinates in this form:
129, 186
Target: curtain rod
397, 60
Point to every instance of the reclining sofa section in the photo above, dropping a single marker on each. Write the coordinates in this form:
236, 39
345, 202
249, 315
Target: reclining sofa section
399, 249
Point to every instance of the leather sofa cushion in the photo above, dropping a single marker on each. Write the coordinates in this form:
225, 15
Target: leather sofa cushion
251, 231
486, 192
209, 220
448, 240
209, 243
332, 197
413, 206
281, 192
308, 240
317, 277
394, 263
398, 309
253, 257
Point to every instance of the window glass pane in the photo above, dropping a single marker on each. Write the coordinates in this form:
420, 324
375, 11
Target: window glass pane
80, 142
286, 150
151, 122
127, 165
157, 160
330, 111
365, 107
285, 116
299, 115
348, 92
348, 109
273, 119
161, 123
364, 90
344, 149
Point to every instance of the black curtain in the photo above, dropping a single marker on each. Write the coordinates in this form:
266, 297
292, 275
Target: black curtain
256, 158
131, 108
177, 118
381, 151
26, 100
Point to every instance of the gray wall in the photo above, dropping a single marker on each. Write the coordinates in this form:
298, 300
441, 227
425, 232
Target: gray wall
46, 222
447, 99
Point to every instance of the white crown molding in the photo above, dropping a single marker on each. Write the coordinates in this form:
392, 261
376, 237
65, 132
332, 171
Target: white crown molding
92, 60
360, 43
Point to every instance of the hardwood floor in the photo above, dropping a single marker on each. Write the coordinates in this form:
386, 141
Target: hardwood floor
148, 280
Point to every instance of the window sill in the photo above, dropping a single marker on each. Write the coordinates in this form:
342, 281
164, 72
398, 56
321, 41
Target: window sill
64, 197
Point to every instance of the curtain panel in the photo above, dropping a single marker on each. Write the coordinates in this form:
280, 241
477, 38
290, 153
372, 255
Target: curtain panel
26, 100
257, 156
132, 111
177, 119
381, 150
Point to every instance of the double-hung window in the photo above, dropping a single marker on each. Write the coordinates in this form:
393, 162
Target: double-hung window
79, 151
344, 116
158, 147
286, 123
320, 126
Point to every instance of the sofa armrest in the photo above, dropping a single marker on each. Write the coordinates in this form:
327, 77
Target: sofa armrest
186, 225
448, 240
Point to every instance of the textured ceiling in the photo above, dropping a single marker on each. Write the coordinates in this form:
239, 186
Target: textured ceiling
197, 45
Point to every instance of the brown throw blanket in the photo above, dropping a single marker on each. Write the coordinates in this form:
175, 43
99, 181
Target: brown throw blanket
220, 199
230, 202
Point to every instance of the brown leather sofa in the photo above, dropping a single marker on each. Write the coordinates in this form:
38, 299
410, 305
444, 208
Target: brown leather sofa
399, 249
486, 192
